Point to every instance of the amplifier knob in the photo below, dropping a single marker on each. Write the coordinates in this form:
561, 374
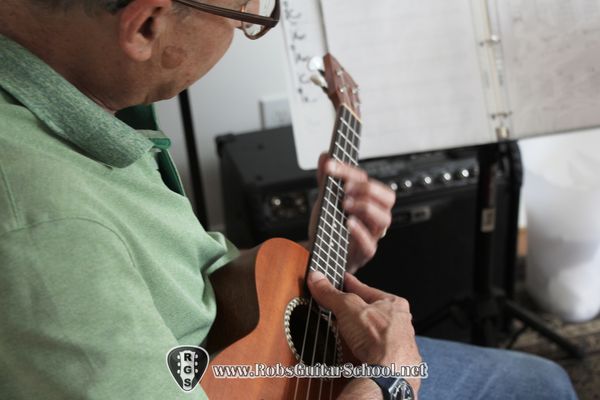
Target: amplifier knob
407, 184
446, 177
276, 201
464, 173
427, 181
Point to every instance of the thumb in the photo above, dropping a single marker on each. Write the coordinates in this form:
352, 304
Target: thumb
323, 291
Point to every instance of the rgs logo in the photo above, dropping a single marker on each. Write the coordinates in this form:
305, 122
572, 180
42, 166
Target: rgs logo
187, 365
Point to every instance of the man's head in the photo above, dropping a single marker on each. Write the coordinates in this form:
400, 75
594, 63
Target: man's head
90, 5
122, 52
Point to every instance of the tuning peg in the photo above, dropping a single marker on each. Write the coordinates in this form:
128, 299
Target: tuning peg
319, 81
316, 64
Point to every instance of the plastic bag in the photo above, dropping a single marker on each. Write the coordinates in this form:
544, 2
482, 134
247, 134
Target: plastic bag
562, 195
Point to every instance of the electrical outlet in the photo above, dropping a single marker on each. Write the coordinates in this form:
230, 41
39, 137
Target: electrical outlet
275, 112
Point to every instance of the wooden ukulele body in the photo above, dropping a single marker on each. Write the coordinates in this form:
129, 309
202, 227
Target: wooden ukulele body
280, 272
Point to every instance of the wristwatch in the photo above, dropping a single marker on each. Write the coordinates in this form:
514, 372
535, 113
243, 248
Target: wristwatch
395, 388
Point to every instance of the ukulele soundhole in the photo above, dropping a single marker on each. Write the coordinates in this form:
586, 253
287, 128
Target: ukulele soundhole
311, 334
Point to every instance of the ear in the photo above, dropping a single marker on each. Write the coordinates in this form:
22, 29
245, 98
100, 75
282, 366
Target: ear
140, 25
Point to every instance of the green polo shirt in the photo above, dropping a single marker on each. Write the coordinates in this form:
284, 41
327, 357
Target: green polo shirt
103, 267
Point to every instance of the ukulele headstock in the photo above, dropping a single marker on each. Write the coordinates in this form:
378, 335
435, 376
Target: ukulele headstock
337, 83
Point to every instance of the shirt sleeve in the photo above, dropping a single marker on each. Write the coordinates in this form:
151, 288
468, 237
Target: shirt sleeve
77, 319
228, 253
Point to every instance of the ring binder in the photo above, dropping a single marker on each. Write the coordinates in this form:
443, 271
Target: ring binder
503, 133
493, 40
502, 114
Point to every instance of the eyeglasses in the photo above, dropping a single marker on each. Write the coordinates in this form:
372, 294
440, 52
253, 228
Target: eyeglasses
257, 16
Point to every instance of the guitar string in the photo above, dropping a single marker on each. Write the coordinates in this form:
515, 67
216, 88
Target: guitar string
332, 257
349, 155
341, 260
331, 199
325, 213
319, 318
352, 158
315, 266
345, 157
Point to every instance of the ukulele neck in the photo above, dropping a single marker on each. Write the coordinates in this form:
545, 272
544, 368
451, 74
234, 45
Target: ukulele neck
329, 253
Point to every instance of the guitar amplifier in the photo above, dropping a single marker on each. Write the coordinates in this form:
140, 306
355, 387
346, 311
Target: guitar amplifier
427, 255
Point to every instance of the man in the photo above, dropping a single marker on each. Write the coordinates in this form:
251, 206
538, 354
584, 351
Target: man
104, 267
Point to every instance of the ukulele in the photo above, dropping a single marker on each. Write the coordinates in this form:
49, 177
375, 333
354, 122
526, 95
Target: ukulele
292, 329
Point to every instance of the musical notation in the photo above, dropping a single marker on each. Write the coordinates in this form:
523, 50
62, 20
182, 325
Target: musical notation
312, 114
298, 28
441, 74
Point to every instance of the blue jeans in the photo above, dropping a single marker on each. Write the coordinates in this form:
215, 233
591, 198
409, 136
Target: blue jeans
460, 371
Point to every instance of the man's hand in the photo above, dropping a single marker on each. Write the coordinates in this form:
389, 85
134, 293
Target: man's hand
375, 325
368, 203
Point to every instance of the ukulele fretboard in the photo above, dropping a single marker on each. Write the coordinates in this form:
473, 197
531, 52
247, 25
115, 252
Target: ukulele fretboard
330, 249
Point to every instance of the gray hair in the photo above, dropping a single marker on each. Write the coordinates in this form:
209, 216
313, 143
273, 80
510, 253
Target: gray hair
90, 6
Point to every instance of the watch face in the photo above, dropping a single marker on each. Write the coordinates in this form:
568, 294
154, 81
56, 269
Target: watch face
402, 390
395, 388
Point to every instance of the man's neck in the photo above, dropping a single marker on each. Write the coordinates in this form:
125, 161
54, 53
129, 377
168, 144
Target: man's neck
46, 36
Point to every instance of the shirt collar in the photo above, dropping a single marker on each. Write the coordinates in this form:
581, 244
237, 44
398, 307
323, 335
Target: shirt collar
66, 111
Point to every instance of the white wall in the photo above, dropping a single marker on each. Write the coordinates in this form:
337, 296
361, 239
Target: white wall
226, 100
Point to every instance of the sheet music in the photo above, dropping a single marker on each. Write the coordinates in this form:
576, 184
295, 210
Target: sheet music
312, 112
418, 69
552, 63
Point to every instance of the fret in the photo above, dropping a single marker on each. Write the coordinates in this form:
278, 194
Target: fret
337, 267
354, 148
344, 149
350, 159
337, 210
332, 269
335, 251
355, 134
337, 158
325, 261
354, 128
326, 258
334, 181
325, 271
329, 218
332, 224
329, 239
351, 122
336, 195
330, 249
342, 241
343, 246
342, 226
332, 197
343, 137
349, 152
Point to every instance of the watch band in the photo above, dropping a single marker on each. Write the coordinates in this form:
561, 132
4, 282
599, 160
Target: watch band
395, 388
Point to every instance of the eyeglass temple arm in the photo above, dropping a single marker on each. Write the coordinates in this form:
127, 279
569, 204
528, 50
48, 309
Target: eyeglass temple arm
269, 22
